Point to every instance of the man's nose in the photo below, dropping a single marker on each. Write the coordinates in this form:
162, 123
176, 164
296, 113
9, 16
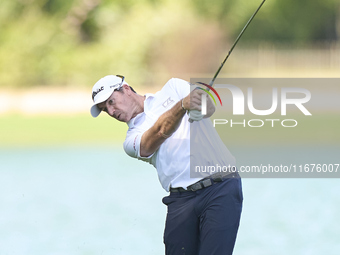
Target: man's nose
110, 110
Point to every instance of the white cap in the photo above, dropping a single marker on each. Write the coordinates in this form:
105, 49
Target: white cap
103, 89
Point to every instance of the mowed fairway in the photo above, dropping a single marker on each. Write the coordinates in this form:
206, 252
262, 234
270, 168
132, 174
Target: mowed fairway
19, 130
54, 130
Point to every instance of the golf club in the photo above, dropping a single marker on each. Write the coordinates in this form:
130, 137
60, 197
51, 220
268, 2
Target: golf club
211, 83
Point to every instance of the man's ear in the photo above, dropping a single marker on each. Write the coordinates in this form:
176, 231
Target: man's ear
126, 89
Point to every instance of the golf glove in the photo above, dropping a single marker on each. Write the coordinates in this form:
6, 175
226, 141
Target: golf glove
195, 115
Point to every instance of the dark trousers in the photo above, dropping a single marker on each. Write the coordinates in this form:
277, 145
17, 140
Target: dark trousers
203, 222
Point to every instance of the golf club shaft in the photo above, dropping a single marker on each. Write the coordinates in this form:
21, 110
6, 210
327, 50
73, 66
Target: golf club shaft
211, 83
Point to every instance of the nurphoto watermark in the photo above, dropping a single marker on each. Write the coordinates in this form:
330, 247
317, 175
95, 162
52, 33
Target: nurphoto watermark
270, 128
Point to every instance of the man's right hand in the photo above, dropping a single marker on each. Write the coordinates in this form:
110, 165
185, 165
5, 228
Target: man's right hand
193, 103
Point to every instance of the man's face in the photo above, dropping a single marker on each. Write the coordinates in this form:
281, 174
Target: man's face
118, 106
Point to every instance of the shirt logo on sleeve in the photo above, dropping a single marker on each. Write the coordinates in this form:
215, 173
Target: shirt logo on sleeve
134, 143
167, 102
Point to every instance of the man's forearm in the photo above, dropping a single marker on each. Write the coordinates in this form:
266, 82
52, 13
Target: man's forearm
168, 122
163, 128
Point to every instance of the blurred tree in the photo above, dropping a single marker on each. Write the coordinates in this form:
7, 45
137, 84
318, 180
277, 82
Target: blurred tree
217, 10
293, 21
287, 21
46, 42
55, 7
338, 23
80, 20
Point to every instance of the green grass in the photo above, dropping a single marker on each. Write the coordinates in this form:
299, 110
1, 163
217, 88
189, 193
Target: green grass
19, 130
26, 131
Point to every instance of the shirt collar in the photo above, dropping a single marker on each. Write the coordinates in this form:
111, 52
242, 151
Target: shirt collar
147, 100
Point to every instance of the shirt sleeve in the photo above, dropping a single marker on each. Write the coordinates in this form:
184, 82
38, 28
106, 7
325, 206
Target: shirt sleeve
181, 87
132, 145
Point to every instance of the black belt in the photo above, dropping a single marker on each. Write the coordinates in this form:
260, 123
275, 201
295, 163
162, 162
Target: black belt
208, 181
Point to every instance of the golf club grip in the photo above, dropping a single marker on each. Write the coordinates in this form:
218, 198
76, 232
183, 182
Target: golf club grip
210, 83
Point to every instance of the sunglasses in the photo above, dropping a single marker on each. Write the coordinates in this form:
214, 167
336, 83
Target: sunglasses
122, 77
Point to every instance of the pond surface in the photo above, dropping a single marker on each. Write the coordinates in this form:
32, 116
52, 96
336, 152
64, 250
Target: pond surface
96, 200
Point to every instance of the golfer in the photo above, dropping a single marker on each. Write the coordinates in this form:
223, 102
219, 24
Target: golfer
204, 207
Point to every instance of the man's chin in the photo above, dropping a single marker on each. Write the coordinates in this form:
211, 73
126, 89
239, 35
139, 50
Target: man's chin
122, 119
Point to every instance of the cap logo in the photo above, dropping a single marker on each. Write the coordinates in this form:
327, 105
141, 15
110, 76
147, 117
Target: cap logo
96, 92
112, 86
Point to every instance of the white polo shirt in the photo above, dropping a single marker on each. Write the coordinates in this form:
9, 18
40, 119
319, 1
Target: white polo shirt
172, 159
